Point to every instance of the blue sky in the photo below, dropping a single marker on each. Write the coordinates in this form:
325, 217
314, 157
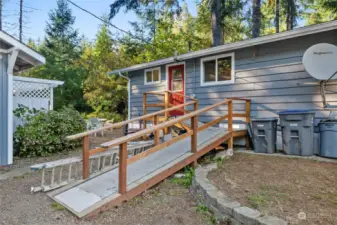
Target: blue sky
85, 23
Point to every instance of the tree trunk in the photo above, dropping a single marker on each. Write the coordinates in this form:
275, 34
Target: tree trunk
216, 23
290, 20
20, 21
277, 16
256, 18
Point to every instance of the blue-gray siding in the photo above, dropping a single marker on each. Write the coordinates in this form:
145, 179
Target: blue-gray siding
274, 79
3, 110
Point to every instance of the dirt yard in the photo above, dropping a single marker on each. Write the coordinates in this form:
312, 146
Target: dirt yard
167, 204
297, 190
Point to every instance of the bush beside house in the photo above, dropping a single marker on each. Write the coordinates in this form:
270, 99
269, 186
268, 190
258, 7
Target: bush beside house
44, 132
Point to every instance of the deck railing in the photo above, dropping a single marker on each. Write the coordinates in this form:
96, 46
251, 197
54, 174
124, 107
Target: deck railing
193, 116
155, 129
87, 152
163, 103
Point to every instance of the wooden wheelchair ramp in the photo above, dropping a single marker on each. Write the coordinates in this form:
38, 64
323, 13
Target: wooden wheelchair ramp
90, 195
134, 175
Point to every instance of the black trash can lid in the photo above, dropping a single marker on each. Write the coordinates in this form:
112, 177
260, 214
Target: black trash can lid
328, 121
296, 111
264, 119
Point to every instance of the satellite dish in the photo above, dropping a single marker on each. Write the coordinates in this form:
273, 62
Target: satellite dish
320, 61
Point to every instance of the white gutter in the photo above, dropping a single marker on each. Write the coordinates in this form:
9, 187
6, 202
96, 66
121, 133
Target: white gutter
129, 94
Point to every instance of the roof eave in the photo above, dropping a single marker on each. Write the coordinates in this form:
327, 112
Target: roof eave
27, 54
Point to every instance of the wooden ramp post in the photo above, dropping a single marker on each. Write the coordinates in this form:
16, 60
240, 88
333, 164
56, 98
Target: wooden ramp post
85, 163
247, 123
194, 137
230, 123
123, 154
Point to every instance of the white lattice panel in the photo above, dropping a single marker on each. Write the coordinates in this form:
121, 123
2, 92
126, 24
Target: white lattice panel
33, 93
31, 90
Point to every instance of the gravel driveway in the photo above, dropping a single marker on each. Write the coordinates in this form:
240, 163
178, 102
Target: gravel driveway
165, 204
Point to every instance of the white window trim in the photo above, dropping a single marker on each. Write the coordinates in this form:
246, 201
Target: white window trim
152, 82
216, 82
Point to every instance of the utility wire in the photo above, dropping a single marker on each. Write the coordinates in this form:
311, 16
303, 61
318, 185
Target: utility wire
104, 21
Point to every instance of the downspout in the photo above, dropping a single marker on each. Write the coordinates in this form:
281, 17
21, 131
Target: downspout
129, 94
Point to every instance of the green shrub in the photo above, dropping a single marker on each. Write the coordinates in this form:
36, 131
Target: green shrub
44, 132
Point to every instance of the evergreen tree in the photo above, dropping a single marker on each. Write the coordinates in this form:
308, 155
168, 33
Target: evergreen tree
107, 95
149, 12
62, 51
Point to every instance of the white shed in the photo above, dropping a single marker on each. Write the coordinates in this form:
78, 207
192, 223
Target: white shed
14, 57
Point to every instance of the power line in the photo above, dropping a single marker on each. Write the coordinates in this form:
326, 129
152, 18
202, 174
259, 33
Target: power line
104, 21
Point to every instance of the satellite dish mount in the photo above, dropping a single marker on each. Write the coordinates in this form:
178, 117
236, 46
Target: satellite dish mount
320, 61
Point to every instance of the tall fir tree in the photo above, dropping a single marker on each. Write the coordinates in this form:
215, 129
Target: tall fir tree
62, 51
106, 94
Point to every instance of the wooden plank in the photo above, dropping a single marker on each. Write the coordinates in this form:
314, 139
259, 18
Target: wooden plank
194, 141
167, 105
155, 105
144, 110
239, 115
247, 144
230, 123
156, 132
158, 147
123, 154
97, 150
117, 125
212, 123
240, 133
85, 153
161, 126
159, 177
155, 93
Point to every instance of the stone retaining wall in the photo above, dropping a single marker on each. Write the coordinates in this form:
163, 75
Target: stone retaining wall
226, 210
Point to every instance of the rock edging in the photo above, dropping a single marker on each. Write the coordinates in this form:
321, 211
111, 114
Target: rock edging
226, 210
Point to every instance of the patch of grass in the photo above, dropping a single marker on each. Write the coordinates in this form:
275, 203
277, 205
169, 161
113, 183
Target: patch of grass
57, 206
206, 213
186, 180
265, 195
257, 201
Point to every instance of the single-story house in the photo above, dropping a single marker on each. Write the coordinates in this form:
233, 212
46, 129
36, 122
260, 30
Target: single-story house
14, 57
268, 70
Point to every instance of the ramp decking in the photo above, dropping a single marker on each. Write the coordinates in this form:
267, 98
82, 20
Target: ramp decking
91, 194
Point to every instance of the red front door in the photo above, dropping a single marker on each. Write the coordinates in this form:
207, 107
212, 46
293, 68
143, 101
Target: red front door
176, 84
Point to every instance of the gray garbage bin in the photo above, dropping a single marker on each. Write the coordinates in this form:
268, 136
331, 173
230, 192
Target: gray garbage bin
264, 134
297, 132
328, 137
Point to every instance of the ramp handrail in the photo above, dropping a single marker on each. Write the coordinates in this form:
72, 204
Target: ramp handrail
87, 152
165, 104
122, 141
119, 124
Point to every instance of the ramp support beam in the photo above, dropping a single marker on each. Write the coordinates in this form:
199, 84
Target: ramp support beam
85, 162
123, 154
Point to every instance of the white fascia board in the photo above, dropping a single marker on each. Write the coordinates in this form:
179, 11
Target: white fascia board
37, 59
53, 83
303, 31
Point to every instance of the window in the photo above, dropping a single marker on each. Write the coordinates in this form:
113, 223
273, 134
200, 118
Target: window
177, 80
217, 70
152, 76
